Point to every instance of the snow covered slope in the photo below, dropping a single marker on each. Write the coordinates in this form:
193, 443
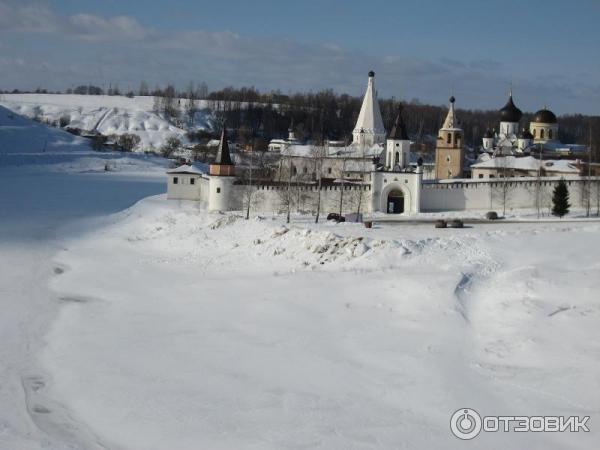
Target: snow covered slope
105, 114
19, 135
209, 331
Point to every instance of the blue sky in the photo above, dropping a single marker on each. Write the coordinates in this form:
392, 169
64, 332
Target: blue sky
549, 49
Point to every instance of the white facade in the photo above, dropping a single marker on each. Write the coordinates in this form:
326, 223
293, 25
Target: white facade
220, 197
187, 182
488, 144
544, 132
509, 130
369, 129
397, 154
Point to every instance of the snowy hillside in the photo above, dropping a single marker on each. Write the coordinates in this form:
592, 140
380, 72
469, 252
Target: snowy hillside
105, 114
19, 135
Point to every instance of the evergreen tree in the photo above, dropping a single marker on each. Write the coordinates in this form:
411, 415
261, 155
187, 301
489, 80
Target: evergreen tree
560, 199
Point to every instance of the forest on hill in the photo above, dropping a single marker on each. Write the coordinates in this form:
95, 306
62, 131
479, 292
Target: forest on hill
334, 116
325, 114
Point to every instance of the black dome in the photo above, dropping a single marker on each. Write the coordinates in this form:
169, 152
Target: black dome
488, 134
544, 116
371, 74
510, 113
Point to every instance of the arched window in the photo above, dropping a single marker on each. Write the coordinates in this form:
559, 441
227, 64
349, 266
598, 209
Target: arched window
449, 138
549, 134
457, 140
448, 159
397, 161
534, 132
542, 134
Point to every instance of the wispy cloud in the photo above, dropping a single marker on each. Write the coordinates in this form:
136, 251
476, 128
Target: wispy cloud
121, 50
41, 20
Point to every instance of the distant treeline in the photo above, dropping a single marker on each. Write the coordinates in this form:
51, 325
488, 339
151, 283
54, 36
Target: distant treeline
324, 114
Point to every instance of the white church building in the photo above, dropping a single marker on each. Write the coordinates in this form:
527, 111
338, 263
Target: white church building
540, 136
390, 183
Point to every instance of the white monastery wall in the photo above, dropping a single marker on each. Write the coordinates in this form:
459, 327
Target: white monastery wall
270, 198
478, 194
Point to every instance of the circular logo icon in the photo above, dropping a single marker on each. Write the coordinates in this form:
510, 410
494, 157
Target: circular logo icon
465, 423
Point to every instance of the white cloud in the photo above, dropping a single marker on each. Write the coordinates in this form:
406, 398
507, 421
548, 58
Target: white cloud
120, 49
39, 19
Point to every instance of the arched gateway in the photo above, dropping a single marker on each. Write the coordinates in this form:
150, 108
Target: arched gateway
395, 202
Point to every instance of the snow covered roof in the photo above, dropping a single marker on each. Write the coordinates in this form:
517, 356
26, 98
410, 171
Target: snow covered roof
560, 147
451, 123
192, 169
527, 163
351, 151
369, 118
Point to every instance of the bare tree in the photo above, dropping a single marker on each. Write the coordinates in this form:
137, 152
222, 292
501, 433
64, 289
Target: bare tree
129, 141
143, 90
286, 196
503, 189
597, 196
167, 103
203, 91
249, 192
317, 154
191, 105
171, 145
251, 196
588, 181
360, 193
343, 183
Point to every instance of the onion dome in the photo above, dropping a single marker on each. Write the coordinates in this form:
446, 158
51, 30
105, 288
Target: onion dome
525, 134
371, 74
544, 116
510, 113
488, 134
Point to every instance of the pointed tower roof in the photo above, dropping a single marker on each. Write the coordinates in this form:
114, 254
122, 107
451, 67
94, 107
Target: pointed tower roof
369, 118
399, 129
223, 156
451, 122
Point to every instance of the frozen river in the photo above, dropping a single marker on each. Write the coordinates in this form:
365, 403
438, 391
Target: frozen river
36, 209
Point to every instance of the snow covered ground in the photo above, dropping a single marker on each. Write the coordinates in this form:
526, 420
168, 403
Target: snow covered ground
106, 114
207, 331
156, 325
40, 193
